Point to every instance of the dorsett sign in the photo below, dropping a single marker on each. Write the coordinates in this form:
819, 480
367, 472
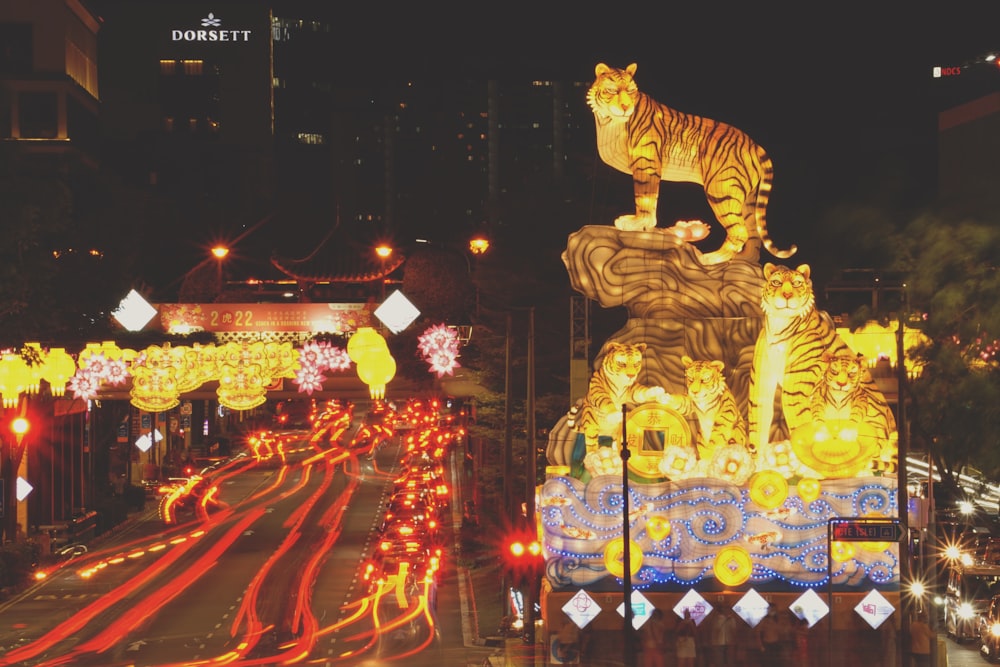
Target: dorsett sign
210, 32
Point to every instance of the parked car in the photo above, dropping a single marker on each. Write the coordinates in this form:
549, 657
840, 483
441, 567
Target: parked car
967, 597
989, 631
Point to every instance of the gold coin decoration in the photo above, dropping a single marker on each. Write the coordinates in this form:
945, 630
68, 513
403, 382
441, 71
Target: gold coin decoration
733, 566
614, 556
652, 429
768, 489
841, 551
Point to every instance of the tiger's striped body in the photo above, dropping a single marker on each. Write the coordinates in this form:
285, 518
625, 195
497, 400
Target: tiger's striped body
789, 352
710, 401
614, 384
653, 143
844, 395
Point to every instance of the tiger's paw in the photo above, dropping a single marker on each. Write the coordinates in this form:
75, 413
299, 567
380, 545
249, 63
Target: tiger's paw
631, 223
717, 257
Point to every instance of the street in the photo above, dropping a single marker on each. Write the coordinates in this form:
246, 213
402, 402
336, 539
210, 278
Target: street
961, 655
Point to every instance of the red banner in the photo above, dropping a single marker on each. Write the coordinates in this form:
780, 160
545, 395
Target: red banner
339, 318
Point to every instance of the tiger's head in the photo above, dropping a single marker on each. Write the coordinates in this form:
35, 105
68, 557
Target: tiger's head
787, 292
843, 372
614, 93
623, 362
704, 380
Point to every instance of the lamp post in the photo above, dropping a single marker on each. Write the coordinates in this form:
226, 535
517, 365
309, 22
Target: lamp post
530, 463
19, 427
627, 629
220, 253
384, 252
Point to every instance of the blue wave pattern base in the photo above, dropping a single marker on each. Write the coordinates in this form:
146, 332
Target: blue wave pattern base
787, 545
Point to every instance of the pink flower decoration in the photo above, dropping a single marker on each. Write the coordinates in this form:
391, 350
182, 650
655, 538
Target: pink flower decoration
117, 372
309, 380
83, 385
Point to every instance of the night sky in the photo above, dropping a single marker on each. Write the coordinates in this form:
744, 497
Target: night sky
839, 94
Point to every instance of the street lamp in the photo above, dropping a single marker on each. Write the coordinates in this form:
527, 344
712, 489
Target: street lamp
220, 252
384, 252
478, 245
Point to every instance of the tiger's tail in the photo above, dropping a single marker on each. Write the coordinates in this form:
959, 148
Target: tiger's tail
763, 197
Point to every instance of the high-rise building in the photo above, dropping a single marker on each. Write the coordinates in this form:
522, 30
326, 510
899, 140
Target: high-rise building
48, 83
262, 120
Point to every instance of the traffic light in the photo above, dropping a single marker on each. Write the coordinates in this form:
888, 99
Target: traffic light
19, 426
524, 557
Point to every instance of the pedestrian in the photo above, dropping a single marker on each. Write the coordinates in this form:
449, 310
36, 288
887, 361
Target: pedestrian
721, 638
889, 642
802, 658
568, 642
653, 640
687, 649
769, 636
921, 637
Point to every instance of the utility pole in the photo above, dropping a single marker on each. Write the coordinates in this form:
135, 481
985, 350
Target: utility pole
508, 436
529, 483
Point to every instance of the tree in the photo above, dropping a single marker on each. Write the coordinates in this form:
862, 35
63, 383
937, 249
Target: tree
953, 288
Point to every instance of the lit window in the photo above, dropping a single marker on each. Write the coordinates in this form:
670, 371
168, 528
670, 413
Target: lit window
311, 138
193, 67
168, 67
193, 124
168, 123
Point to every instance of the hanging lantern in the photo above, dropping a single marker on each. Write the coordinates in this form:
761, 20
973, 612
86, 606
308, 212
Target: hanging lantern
188, 361
15, 376
57, 369
376, 370
154, 381
35, 357
282, 360
242, 386
365, 341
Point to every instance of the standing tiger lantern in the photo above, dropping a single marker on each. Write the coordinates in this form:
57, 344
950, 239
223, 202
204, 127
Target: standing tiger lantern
750, 422
652, 142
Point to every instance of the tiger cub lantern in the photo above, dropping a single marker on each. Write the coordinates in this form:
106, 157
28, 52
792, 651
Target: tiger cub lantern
652, 142
799, 353
614, 384
721, 432
853, 430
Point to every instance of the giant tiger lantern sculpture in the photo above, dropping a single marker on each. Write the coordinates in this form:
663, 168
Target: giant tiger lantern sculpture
750, 424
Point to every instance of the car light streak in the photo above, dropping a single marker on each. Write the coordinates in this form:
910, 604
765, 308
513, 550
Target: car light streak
78, 621
113, 633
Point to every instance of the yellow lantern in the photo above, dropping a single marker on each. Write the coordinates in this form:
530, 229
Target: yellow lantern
365, 341
657, 527
154, 381
57, 369
15, 377
376, 370
35, 367
809, 489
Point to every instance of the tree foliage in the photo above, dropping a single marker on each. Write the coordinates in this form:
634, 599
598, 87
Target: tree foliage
953, 289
